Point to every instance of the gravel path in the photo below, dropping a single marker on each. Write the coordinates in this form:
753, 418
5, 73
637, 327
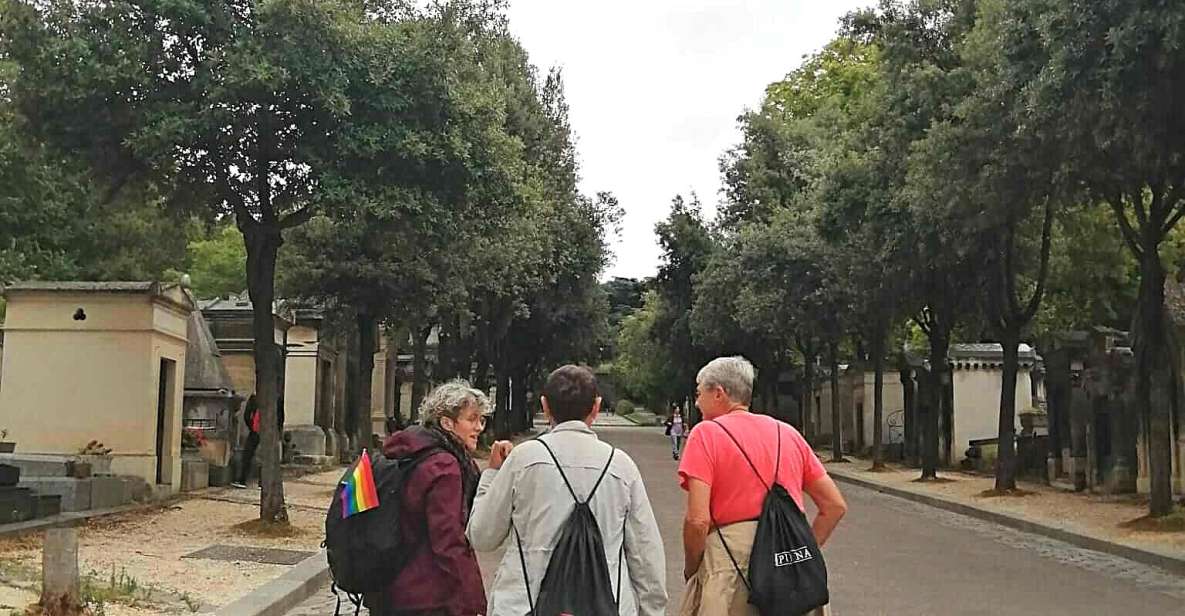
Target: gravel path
147, 548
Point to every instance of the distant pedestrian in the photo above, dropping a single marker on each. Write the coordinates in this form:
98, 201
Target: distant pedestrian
676, 430
441, 575
251, 418
733, 465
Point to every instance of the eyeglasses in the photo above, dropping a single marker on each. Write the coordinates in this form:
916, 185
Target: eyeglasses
480, 421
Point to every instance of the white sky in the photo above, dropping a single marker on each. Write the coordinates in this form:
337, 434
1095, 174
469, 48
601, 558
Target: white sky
655, 87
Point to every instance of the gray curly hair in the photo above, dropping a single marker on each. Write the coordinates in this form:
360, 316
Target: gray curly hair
449, 400
734, 374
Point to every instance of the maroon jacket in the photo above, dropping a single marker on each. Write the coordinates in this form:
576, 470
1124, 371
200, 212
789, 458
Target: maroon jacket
442, 574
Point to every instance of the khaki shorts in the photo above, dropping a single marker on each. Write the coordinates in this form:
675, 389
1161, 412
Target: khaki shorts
716, 589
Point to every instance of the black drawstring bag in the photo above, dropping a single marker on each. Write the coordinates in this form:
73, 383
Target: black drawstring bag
577, 578
787, 575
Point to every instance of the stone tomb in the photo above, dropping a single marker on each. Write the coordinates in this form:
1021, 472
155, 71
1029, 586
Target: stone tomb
18, 503
105, 362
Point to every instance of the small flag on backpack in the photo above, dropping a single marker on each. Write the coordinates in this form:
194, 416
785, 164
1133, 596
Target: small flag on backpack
358, 493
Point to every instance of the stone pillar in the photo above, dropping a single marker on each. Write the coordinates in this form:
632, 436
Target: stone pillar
60, 586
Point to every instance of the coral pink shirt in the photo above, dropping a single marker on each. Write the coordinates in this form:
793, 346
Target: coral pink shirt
737, 494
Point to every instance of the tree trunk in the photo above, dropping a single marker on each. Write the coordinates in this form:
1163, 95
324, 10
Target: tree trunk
481, 375
909, 413
1006, 459
518, 402
419, 385
1154, 379
878, 397
836, 414
391, 405
349, 412
503, 428
808, 395
936, 395
365, 396
450, 353
263, 245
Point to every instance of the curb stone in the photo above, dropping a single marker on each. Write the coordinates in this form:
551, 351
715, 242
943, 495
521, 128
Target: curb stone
282, 594
1173, 564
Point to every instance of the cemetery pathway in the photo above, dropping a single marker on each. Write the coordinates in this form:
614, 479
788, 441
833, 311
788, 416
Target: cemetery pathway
892, 556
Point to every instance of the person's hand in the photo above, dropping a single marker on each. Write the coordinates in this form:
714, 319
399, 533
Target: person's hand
498, 453
689, 573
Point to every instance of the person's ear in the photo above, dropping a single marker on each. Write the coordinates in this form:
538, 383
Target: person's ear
546, 408
596, 410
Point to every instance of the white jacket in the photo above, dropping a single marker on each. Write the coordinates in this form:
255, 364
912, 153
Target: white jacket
529, 490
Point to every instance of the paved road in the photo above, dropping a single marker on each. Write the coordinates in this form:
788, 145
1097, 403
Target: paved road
892, 557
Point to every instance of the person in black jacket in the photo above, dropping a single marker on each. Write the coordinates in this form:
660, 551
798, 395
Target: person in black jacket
251, 417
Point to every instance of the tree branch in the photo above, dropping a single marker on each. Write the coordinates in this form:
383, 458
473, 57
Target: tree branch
1173, 220
923, 321
1125, 227
1157, 213
1138, 207
1173, 200
1043, 270
298, 217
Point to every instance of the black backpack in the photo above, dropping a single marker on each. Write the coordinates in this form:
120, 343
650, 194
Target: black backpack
787, 574
366, 550
577, 578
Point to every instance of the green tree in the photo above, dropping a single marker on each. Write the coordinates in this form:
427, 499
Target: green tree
922, 80
217, 264
1000, 186
260, 110
1102, 84
641, 364
625, 297
687, 245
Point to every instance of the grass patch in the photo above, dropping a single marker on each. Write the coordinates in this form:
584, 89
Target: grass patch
15, 570
118, 587
1172, 523
269, 530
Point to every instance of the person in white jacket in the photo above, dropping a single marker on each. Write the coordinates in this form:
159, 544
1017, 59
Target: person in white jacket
523, 486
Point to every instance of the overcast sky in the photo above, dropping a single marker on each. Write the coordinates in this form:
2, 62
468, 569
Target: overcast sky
655, 87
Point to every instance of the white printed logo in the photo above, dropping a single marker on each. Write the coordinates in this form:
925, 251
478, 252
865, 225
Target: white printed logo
793, 557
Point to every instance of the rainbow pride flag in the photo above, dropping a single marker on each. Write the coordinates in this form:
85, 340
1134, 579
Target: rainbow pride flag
358, 493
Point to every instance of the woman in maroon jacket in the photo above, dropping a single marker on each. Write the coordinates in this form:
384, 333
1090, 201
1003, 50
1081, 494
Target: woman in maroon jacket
442, 577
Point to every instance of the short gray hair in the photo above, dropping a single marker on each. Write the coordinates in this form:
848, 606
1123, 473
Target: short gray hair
449, 399
733, 374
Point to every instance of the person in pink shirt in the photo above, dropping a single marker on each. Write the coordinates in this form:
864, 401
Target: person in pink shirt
724, 493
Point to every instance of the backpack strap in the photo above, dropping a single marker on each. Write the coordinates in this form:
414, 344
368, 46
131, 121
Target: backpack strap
604, 471
620, 560
560, 469
522, 559
740, 574
571, 491
768, 487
